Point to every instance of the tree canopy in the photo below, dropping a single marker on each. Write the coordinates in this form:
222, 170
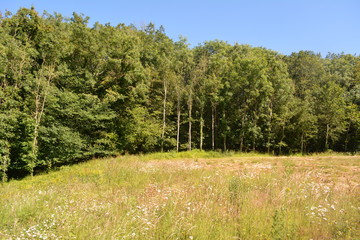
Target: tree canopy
70, 92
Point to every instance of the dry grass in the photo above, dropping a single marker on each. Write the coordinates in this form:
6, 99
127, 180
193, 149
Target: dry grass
236, 197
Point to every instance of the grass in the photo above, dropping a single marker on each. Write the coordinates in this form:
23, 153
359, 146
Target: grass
196, 195
196, 154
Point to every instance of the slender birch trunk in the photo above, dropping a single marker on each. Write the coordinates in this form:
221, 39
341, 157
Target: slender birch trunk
201, 130
213, 109
40, 100
178, 125
327, 137
269, 134
225, 132
282, 138
164, 117
190, 120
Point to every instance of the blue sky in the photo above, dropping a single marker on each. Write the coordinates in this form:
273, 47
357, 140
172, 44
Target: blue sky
282, 25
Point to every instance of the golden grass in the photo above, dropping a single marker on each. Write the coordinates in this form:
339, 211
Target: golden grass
195, 197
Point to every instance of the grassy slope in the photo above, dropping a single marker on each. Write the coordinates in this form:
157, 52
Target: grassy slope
190, 196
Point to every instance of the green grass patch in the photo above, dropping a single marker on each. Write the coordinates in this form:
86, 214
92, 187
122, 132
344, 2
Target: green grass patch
195, 195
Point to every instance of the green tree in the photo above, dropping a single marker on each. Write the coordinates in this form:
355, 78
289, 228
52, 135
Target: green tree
306, 69
331, 111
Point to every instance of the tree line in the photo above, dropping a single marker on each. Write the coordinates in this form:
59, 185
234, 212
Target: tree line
70, 92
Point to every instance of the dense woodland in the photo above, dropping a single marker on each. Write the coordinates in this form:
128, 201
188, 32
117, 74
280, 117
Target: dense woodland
70, 92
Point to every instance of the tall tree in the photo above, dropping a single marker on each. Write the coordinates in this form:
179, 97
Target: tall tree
183, 66
331, 110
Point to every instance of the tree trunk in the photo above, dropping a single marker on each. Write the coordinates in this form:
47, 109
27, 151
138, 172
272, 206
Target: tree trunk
213, 127
269, 134
327, 137
225, 132
178, 125
4, 167
282, 138
5, 160
34, 150
40, 100
242, 133
242, 140
253, 143
302, 143
37, 119
164, 118
254, 138
201, 130
190, 122
347, 137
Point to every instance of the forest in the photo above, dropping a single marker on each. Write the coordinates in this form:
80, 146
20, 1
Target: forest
70, 92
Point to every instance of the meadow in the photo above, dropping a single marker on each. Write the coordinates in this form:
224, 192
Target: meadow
192, 195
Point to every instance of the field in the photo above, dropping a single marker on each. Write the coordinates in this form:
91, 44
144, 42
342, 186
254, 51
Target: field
188, 196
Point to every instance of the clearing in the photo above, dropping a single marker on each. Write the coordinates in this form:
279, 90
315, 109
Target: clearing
229, 197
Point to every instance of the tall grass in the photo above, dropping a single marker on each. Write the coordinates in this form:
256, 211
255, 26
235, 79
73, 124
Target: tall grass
194, 195
196, 154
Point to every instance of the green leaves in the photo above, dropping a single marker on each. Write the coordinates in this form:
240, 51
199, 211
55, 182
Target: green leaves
70, 92
59, 145
142, 132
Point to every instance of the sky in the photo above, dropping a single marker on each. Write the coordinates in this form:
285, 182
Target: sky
285, 26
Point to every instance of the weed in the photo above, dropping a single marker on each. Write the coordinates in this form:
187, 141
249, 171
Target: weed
189, 195
278, 224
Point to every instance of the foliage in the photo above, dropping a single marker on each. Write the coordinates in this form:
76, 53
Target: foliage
70, 92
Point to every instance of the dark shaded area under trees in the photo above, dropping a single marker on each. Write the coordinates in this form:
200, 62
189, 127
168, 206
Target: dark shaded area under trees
69, 92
